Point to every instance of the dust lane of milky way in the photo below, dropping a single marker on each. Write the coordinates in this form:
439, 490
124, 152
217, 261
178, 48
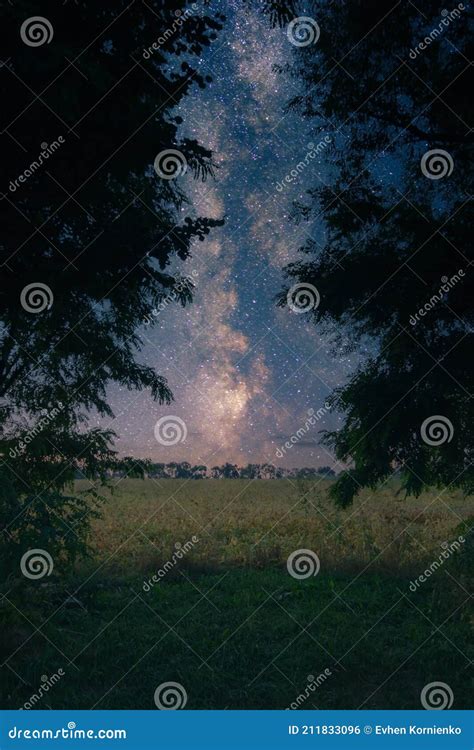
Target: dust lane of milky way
243, 372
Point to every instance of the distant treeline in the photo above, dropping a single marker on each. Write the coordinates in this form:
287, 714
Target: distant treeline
185, 470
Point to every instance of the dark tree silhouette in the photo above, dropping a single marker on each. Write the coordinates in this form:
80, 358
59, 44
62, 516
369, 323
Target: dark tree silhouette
251, 471
184, 470
199, 471
397, 238
87, 217
326, 471
229, 471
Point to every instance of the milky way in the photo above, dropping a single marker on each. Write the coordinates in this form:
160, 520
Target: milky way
243, 372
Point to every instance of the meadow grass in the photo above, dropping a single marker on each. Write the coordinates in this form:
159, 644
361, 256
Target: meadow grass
230, 624
259, 523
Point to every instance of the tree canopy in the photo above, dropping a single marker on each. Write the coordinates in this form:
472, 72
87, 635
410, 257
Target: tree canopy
95, 221
388, 83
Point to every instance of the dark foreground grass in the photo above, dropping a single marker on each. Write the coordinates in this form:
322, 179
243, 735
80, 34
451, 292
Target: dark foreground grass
245, 638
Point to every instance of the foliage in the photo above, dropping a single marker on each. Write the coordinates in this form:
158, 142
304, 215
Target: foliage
184, 470
392, 236
96, 225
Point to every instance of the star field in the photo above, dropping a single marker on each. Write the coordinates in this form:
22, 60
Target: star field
244, 373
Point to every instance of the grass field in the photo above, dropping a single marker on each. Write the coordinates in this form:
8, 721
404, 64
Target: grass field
229, 623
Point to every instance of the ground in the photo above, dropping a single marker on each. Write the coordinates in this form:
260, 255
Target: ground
227, 621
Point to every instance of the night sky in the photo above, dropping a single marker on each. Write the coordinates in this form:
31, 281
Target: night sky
243, 372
